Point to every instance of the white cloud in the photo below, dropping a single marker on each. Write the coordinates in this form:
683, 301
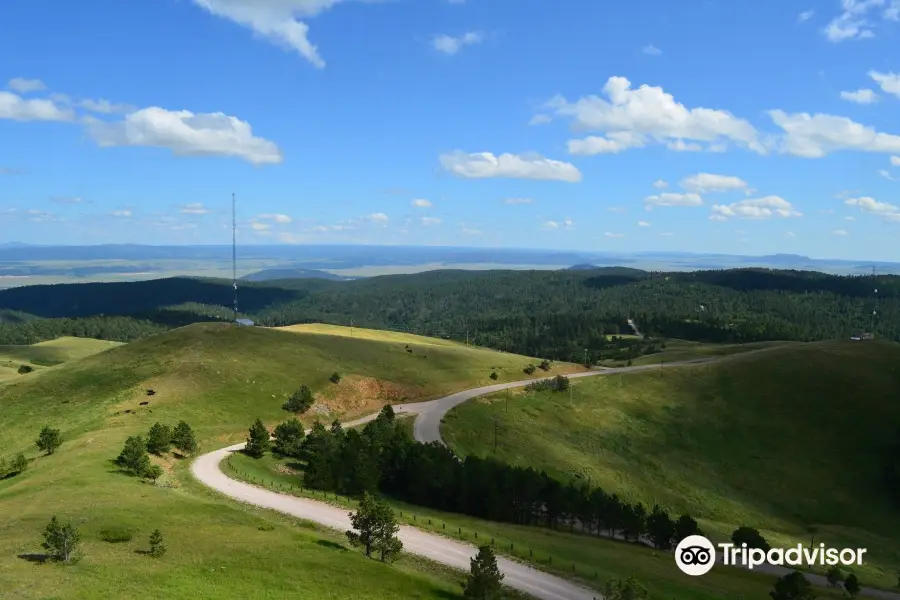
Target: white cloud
853, 22
681, 146
864, 96
651, 112
814, 136
540, 120
104, 106
643, 224
840, 232
895, 160
67, 200
872, 206
805, 16
704, 183
421, 203
564, 224
517, 201
122, 214
850, 218
616, 209
613, 143
887, 175
672, 199
614, 235
278, 218
469, 231
275, 20
758, 208
550, 225
378, 217
660, 184
13, 106
426, 221
186, 134
449, 44
889, 82
651, 50
24, 86
789, 234
260, 226
194, 208
481, 165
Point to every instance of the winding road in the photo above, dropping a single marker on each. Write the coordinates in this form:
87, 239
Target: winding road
541, 585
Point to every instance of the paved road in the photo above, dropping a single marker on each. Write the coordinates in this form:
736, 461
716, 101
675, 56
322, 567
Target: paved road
456, 554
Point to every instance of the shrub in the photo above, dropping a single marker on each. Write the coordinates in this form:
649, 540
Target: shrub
115, 535
494, 375
23, 369
751, 537
529, 369
545, 365
556, 384
335, 377
300, 401
49, 439
62, 542
153, 472
18, 464
157, 548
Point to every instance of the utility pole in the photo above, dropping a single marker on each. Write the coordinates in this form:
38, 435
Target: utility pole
496, 427
234, 252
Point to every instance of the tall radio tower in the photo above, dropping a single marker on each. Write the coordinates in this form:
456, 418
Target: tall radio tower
234, 252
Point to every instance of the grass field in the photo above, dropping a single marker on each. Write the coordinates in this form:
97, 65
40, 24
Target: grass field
219, 378
588, 560
48, 354
679, 350
369, 334
779, 440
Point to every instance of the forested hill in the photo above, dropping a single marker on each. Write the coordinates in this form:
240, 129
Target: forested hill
554, 314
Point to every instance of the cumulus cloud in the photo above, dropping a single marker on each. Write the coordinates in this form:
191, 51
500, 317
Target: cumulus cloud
805, 16
613, 143
25, 86
421, 203
864, 96
186, 134
854, 22
895, 160
840, 232
194, 208
277, 218
758, 208
257, 226
427, 221
865, 204
449, 44
704, 183
672, 199
482, 165
13, 106
278, 21
643, 224
378, 217
660, 184
888, 82
814, 136
681, 146
517, 201
651, 50
553, 225
649, 113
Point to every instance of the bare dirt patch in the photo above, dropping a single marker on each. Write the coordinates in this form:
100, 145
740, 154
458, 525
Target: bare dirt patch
356, 395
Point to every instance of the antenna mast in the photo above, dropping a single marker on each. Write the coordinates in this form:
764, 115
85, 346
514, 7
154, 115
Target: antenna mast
234, 252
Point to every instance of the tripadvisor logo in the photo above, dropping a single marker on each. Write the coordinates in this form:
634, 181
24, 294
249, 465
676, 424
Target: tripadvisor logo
696, 555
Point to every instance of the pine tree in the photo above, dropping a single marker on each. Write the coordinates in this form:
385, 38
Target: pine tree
485, 581
387, 543
157, 548
793, 586
851, 585
258, 443
49, 439
134, 457
62, 541
289, 438
300, 401
159, 439
183, 438
365, 522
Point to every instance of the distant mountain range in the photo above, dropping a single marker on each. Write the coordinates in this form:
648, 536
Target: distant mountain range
273, 274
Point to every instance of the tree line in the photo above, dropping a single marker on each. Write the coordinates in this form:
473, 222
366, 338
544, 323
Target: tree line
554, 314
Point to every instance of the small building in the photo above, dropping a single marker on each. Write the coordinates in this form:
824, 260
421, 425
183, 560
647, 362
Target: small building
243, 322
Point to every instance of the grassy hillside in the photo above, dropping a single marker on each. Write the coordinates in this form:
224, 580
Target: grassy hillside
780, 440
218, 378
369, 334
48, 354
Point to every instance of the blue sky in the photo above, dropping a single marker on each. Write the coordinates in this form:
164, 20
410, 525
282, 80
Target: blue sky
700, 126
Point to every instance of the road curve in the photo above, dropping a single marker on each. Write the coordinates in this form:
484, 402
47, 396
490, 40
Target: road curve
437, 548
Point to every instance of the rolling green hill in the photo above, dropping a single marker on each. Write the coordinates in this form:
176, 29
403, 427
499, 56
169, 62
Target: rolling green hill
218, 378
48, 354
783, 439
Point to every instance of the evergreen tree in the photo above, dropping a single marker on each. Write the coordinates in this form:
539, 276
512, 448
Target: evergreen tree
485, 581
365, 522
660, 528
183, 438
835, 576
628, 589
751, 537
157, 548
289, 438
134, 457
387, 543
300, 401
686, 526
153, 472
159, 439
49, 439
62, 541
18, 464
258, 443
793, 586
851, 585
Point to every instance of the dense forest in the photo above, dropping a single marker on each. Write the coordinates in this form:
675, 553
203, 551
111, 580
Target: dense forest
553, 314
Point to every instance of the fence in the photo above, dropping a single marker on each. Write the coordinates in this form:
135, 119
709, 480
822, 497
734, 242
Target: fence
508, 548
